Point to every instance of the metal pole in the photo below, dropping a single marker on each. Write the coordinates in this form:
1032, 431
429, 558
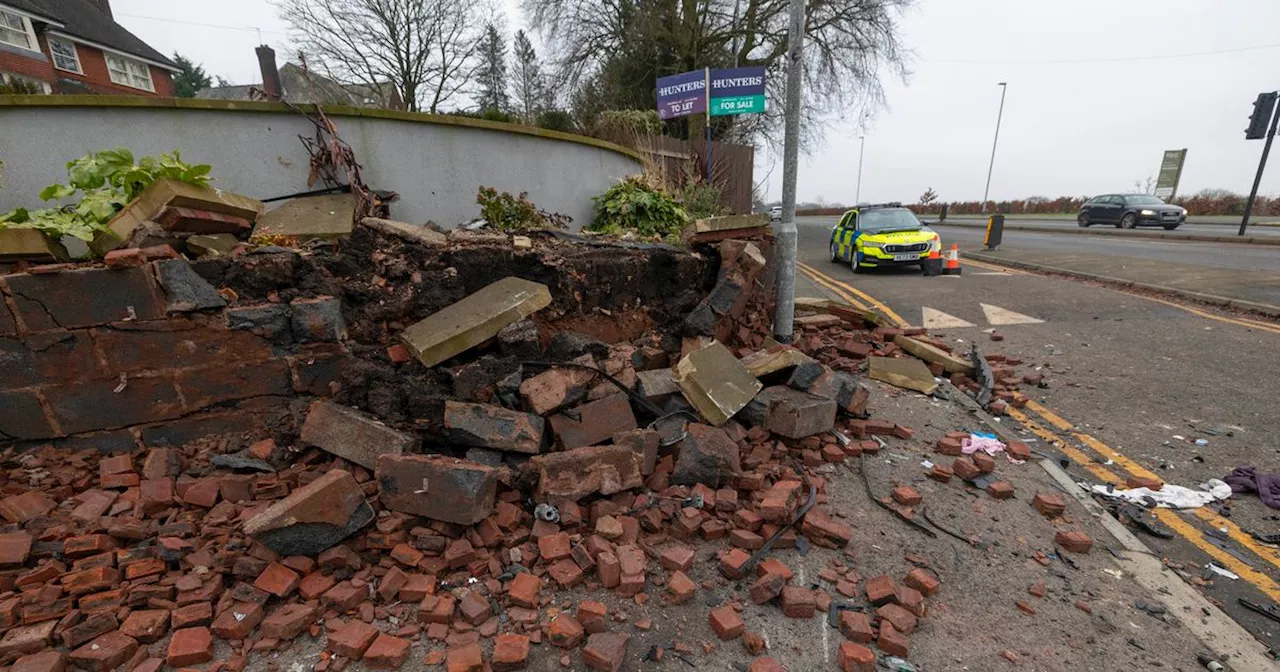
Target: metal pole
736, 7
1004, 88
1262, 165
785, 309
857, 198
707, 79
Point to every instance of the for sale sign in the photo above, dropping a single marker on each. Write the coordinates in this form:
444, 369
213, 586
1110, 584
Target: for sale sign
737, 91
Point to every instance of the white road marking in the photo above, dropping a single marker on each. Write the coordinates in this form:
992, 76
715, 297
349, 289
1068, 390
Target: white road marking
936, 319
1001, 316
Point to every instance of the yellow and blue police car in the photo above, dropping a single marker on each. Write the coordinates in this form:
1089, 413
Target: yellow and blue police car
875, 236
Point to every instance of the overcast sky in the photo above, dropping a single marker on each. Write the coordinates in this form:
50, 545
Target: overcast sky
1098, 89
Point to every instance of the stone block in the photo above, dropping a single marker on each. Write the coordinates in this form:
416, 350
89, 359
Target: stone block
573, 474
270, 321
437, 487
907, 373
715, 382
475, 319
352, 435
317, 320
707, 456
184, 290
311, 218
313, 517
494, 427
644, 442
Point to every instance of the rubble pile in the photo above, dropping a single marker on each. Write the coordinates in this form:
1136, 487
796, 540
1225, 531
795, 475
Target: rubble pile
497, 441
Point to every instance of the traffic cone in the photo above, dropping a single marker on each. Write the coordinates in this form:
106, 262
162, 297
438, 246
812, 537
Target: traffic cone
952, 267
933, 265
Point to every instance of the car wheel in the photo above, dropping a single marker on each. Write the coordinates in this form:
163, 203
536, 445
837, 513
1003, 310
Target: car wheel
1083, 220
1170, 227
853, 263
835, 254
1129, 221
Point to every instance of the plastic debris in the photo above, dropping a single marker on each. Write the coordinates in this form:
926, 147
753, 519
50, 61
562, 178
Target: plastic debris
1222, 572
986, 442
1170, 496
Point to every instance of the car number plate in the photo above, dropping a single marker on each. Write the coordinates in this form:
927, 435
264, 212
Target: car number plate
905, 257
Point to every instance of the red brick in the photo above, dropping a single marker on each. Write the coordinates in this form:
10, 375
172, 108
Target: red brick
765, 664
344, 596
797, 602
984, 462
606, 651
592, 615
856, 626
200, 613
609, 569
911, 599
1074, 541
45, 661
774, 566
566, 573
335, 501
1000, 490
965, 468
474, 608
465, 658
732, 563
767, 587
554, 547
18, 509
386, 653
594, 422
881, 590
565, 632
824, 530
1049, 505
315, 584
524, 590
746, 540
680, 588
147, 625
277, 580
510, 652
726, 623
115, 464
1017, 449
923, 581
89, 628
289, 621
677, 557
459, 554
892, 642
28, 638
906, 495
14, 548
856, 658
238, 620
417, 587
437, 609
952, 446
105, 653
903, 621
90, 580
351, 640
190, 646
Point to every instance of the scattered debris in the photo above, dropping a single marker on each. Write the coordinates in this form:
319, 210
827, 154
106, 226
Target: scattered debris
910, 374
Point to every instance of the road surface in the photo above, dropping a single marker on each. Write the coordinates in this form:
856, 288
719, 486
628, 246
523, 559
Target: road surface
1218, 226
1135, 380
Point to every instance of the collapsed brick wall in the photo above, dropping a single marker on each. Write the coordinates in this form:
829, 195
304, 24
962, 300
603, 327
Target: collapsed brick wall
114, 359
117, 359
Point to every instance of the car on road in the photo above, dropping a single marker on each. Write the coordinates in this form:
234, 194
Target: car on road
876, 236
775, 213
1129, 211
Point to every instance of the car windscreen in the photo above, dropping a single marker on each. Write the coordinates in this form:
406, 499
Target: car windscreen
1143, 200
895, 219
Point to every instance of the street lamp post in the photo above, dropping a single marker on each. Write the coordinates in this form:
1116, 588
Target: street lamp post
1004, 88
858, 195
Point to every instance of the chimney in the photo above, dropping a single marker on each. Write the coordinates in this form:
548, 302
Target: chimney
270, 74
103, 6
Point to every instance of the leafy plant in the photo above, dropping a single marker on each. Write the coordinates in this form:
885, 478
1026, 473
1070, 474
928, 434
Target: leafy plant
634, 205
516, 213
556, 120
700, 198
109, 180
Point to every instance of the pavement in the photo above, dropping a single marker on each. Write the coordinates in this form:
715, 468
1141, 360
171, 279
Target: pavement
1132, 382
1259, 227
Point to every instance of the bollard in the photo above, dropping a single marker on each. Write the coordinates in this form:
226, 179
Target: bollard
995, 232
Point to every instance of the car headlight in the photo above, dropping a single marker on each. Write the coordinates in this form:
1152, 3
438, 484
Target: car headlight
876, 245
1184, 212
1148, 213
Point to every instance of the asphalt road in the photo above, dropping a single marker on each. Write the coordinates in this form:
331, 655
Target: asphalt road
1190, 229
1131, 373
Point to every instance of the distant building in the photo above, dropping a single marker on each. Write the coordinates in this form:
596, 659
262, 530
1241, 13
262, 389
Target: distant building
295, 85
75, 46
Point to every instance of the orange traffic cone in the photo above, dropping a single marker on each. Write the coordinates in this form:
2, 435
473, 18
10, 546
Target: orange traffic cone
952, 266
933, 265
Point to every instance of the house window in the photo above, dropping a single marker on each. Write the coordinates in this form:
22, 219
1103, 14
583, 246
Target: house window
128, 72
64, 55
16, 30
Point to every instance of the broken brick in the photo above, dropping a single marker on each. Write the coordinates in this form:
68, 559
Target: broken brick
277, 580
386, 653
606, 651
906, 495
1074, 541
854, 657
902, 620
594, 422
1049, 505
190, 646
797, 602
680, 588
726, 622
493, 427
565, 632
353, 639
881, 589
923, 581
510, 652
856, 626
314, 517
147, 625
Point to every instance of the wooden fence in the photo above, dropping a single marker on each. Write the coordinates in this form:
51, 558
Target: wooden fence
733, 167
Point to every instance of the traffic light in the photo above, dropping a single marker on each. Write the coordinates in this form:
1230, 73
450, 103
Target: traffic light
1261, 117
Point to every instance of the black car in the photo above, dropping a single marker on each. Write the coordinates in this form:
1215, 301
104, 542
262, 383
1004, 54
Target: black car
1129, 211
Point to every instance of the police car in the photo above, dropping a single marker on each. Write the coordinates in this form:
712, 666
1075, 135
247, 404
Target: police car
875, 236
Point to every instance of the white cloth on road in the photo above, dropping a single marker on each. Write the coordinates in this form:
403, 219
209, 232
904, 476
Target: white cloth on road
987, 443
1171, 496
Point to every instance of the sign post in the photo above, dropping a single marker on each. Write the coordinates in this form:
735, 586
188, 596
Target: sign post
1170, 173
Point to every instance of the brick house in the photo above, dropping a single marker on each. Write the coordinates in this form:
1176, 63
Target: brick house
75, 46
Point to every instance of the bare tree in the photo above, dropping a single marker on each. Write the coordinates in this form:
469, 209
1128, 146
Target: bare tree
527, 86
425, 49
849, 44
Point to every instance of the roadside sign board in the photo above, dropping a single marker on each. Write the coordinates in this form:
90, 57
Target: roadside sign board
737, 91
683, 94
1170, 173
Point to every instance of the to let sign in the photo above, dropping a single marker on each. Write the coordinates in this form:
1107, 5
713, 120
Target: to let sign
682, 95
737, 91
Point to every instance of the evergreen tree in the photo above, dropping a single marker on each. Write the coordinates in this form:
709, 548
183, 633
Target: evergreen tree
187, 84
529, 90
492, 74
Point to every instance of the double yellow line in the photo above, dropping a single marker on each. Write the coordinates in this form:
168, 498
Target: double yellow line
1085, 443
